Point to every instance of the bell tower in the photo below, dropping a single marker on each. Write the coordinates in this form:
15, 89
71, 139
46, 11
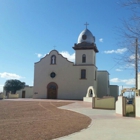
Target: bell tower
85, 49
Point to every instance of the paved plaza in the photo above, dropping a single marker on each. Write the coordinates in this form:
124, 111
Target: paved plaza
106, 125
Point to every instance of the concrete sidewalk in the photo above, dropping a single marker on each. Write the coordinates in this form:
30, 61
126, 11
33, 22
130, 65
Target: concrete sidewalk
105, 125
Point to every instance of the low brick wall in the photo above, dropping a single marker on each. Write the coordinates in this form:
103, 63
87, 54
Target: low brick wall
87, 99
129, 108
104, 103
1, 96
13, 96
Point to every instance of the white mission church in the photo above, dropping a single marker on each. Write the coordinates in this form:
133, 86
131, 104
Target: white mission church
57, 78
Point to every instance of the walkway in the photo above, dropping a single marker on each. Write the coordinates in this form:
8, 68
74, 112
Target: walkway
105, 125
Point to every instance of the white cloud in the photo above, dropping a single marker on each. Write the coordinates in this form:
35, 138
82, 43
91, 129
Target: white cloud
130, 65
125, 81
39, 55
118, 70
130, 82
119, 51
7, 75
101, 39
1, 88
122, 87
132, 57
70, 57
115, 80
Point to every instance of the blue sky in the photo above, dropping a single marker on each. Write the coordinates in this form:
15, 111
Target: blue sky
29, 29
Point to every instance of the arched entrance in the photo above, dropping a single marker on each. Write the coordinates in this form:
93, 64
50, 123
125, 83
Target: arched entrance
90, 95
90, 92
52, 90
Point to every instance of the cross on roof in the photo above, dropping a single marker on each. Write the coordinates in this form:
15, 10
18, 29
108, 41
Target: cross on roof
86, 24
54, 47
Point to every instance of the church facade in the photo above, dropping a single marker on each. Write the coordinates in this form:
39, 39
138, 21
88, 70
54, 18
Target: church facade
57, 78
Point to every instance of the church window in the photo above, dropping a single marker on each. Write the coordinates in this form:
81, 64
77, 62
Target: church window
53, 59
83, 58
83, 74
52, 75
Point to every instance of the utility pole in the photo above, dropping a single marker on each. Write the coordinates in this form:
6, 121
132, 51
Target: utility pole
136, 64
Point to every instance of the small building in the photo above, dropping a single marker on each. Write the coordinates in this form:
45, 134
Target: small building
114, 90
26, 92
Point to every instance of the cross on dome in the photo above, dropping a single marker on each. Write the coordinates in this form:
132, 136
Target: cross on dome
86, 24
54, 47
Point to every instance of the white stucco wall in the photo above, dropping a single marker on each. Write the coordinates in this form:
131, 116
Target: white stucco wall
90, 57
87, 99
28, 92
1, 96
68, 77
138, 80
114, 91
102, 83
119, 106
129, 108
4, 92
104, 103
13, 96
137, 99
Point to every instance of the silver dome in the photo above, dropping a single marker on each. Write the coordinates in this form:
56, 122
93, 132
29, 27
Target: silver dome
86, 36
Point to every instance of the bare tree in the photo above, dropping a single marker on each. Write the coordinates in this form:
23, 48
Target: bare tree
130, 35
132, 25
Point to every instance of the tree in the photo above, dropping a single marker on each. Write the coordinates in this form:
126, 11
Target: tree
132, 24
13, 86
130, 30
130, 34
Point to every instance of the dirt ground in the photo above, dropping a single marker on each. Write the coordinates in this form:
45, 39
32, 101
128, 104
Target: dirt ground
28, 120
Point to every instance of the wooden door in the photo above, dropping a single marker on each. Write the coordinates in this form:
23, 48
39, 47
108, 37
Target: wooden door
23, 94
52, 91
52, 94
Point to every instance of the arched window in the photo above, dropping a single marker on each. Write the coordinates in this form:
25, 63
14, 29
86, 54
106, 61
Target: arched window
83, 58
53, 59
